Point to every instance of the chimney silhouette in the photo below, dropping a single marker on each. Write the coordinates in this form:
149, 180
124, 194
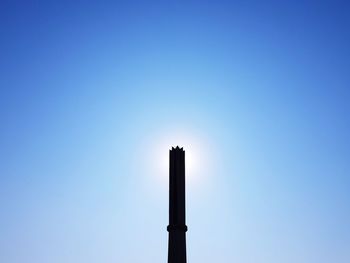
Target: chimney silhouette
177, 225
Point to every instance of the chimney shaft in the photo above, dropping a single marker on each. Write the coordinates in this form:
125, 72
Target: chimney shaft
177, 225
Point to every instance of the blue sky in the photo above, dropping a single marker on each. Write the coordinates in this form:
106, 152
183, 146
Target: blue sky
94, 94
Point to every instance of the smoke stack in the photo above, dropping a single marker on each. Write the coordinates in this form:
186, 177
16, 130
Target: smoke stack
177, 225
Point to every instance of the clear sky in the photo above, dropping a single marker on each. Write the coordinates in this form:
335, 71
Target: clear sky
94, 94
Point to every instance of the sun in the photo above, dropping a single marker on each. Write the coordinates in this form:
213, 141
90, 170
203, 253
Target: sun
195, 157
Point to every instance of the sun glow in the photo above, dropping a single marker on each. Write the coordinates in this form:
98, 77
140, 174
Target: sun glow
195, 157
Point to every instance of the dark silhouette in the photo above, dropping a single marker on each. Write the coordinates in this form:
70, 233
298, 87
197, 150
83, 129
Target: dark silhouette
177, 226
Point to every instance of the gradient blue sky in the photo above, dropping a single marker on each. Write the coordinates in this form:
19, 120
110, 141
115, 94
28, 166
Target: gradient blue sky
93, 95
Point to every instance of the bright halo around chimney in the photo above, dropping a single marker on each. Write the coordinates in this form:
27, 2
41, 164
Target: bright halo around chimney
195, 158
